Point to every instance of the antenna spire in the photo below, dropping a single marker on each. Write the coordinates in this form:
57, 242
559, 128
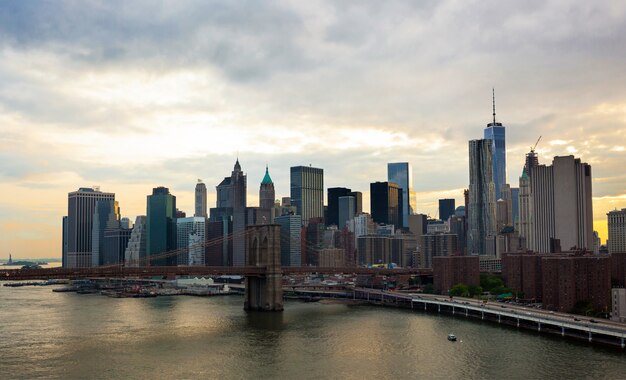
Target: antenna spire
493, 94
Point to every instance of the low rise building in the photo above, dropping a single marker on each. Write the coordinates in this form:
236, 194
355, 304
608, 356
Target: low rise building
452, 270
618, 302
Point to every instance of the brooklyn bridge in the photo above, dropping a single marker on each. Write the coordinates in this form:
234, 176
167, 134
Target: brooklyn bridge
263, 272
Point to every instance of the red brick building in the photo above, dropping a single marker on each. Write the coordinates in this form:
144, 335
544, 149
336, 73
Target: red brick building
451, 270
560, 280
618, 268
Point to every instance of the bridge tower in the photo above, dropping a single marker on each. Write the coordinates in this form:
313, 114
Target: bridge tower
264, 292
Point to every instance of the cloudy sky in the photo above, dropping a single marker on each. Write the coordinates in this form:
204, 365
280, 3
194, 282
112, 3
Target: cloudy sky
129, 95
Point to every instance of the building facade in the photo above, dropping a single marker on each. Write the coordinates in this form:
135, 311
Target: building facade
307, 192
386, 203
401, 174
496, 133
135, 253
617, 230
446, 208
290, 240
161, 228
334, 193
81, 206
562, 209
481, 209
185, 228
452, 270
106, 217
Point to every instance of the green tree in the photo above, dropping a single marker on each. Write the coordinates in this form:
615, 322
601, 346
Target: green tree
428, 289
474, 290
459, 290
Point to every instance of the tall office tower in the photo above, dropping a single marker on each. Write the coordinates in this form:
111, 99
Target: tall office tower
617, 231
446, 209
358, 201
515, 207
347, 207
238, 189
161, 227
482, 198
361, 224
81, 205
64, 244
525, 209
562, 206
334, 193
495, 132
185, 228
307, 192
401, 174
135, 254
115, 244
201, 205
313, 241
433, 245
507, 196
386, 203
290, 240
106, 216
267, 194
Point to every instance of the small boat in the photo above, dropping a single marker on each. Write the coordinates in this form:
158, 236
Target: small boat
452, 337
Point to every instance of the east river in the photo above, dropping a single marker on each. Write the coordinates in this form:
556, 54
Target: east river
72, 336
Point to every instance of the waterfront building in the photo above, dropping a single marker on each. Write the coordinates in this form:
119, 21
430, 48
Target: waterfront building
106, 217
307, 192
332, 258
482, 202
386, 203
617, 230
564, 278
347, 210
64, 243
200, 200
161, 227
185, 228
437, 244
496, 134
290, 240
333, 195
446, 209
218, 251
135, 253
618, 303
313, 241
81, 206
401, 174
346, 241
452, 270
562, 206
618, 268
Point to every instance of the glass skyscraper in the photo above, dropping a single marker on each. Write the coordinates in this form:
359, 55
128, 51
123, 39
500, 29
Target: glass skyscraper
161, 227
401, 174
496, 133
482, 202
307, 192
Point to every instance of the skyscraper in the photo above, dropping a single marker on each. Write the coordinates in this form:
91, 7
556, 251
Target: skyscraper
190, 239
496, 133
347, 210
135, 253
238, 189
401, 174
334, 193
386, 203
446, 208
307, 192
201, 206
482, 201
290, 240
617, 230
80, 210
161, 227
267, 194
562, 212
106, 217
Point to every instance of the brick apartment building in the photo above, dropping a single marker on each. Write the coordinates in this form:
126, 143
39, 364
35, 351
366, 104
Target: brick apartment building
451, 270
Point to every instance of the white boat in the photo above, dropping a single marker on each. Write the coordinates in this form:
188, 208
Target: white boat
452, 337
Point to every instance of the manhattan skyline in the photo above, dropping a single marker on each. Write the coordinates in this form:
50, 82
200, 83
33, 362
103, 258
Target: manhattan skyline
130, 99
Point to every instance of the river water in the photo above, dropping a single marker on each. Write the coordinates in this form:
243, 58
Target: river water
71, 336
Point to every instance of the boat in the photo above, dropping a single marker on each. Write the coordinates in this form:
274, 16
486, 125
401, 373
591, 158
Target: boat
452, 337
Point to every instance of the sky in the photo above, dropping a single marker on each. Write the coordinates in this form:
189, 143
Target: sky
130, 95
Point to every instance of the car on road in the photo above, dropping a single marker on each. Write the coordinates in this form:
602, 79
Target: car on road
577, 320
593, 321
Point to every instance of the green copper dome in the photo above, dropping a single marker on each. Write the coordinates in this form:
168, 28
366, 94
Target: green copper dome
266, 180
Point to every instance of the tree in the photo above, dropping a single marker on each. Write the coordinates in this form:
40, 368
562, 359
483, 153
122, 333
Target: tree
474, 290
459, 290
428, 289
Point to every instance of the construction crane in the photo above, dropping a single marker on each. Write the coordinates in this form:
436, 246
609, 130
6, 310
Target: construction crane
532, 149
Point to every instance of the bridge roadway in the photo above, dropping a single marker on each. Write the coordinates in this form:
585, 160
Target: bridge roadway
119, 271
602, 331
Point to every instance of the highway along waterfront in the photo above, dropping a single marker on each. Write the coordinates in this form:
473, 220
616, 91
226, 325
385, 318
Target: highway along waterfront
47, 334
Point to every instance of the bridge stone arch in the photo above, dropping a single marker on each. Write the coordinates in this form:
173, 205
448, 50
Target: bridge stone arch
264, 292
